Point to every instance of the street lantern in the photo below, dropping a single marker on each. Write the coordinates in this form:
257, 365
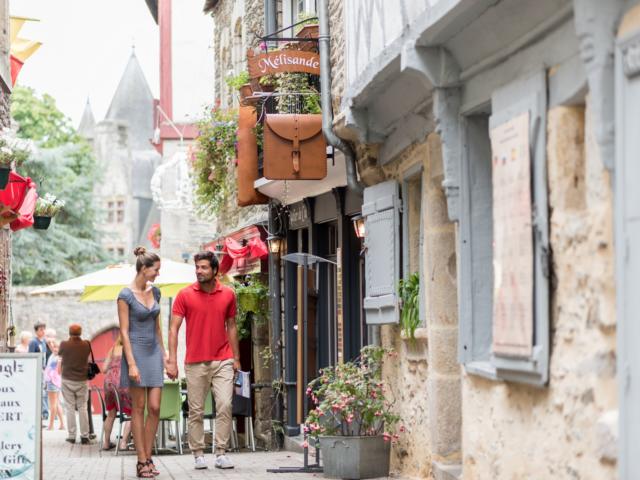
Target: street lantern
358, 226
275, 244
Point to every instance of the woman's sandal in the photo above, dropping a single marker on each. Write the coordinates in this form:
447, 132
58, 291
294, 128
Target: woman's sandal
152, 468
142, 470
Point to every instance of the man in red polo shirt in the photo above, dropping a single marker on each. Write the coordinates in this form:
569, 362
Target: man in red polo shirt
213, 354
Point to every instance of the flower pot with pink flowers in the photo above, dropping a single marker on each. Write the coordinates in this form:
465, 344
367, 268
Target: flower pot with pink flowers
353, 418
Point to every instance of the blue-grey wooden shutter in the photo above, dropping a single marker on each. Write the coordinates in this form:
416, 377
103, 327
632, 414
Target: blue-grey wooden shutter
512, 100
381, 211
627, 233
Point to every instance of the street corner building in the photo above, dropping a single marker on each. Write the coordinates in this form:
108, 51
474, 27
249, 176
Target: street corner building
482, 149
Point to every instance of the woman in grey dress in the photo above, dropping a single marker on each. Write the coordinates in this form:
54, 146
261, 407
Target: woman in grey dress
143, 361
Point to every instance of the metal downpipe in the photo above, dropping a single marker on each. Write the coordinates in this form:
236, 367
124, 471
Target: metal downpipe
325, 99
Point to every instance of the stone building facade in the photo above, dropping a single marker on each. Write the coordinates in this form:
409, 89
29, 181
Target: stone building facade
418, 90
123, 149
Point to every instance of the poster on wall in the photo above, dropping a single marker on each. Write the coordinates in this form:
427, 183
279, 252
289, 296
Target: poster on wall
20, 415
513, 274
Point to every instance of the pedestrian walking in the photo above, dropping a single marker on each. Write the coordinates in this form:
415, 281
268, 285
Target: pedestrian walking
25, 339
74, 366
144, 355
111, 368
53, 381
39, 345
212, 356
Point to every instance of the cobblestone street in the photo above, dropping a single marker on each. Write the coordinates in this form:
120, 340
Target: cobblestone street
63, 461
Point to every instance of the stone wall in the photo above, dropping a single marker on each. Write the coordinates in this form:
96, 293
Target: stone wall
424, 379
566, 430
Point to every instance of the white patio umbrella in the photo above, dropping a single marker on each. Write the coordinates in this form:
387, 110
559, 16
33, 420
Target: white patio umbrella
105, 284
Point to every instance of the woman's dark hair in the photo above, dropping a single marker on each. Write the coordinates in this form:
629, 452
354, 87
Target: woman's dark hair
144, 258
209, 256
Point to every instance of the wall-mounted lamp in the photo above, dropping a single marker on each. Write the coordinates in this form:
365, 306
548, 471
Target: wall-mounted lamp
219, 248
358, 226
185, 257
275, 244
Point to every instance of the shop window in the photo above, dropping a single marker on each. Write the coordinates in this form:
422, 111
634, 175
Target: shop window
505, 335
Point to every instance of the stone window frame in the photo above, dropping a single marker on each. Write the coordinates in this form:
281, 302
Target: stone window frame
413, 174
475, 248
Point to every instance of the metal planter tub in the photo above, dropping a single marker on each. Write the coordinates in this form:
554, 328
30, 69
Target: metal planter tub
355, 457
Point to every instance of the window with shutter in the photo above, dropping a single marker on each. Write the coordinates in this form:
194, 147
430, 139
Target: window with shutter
381, 210
504, 312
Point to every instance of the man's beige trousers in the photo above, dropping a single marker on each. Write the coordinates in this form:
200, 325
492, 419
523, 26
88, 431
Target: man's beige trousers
203, 377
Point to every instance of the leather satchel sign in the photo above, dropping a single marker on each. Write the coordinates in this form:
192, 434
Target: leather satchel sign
294, 147
280, 61
248, 159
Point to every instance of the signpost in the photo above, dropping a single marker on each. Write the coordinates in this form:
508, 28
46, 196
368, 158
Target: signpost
20, 416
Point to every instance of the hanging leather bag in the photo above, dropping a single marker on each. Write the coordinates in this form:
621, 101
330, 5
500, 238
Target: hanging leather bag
294, 147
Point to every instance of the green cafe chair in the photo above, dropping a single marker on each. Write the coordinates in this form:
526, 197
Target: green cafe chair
170, 409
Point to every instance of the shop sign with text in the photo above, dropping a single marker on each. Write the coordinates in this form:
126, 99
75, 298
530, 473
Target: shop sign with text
280, 61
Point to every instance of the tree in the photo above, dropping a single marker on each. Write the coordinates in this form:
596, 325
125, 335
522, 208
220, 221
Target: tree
40, 120
64, 165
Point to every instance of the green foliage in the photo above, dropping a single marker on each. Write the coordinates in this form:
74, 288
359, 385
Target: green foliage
409, 291
39, 119
252, 297
72, 246
304, 97
213, 160
237, 81
306, 18
350, 398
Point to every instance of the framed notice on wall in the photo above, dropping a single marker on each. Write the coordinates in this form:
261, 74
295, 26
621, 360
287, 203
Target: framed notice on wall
513, 275
20, 415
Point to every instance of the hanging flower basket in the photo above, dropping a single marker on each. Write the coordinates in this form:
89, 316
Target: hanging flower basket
41, 223
13, 151
47, 207
4, 176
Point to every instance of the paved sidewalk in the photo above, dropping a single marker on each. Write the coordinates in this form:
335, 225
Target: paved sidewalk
64, 461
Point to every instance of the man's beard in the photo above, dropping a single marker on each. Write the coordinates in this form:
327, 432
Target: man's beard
203, 279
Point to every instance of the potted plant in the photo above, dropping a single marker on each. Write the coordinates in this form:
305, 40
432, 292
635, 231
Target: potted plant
352, 419
13, 153
242, 83
47, 207
251, 297
309, 27
409, 292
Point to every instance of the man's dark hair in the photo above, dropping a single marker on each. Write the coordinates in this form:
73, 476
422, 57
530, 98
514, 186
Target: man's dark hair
209, 256
38, 325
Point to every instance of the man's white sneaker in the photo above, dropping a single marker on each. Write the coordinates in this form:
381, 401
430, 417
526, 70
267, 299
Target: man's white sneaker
223, 461
201, 463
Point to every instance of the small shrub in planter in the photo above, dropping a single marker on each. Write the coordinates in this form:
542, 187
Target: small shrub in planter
13, 152
47, 207
353, 418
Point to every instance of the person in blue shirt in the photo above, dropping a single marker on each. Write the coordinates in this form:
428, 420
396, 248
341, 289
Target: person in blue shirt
39, 345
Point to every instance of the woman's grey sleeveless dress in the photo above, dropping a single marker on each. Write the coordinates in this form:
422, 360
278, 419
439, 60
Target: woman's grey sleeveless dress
145, 345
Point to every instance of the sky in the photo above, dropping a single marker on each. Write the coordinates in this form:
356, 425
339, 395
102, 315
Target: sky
86, 46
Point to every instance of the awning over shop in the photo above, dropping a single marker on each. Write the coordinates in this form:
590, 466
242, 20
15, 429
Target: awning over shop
241, 252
